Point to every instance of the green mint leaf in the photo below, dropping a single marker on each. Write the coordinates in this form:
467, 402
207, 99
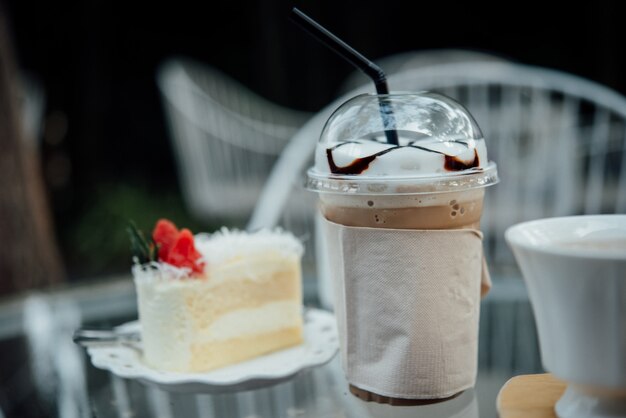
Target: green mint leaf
139, 246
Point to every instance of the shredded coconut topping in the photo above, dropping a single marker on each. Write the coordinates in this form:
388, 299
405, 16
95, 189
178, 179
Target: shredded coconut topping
158, 271
221, 247
226, 244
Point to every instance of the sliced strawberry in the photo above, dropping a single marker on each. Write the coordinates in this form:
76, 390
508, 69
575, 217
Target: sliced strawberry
184, 254
165, 234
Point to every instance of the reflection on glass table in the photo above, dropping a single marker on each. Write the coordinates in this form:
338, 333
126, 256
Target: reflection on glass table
321, 392
44, 374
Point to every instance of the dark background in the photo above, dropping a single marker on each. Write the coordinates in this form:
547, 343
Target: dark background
106, 155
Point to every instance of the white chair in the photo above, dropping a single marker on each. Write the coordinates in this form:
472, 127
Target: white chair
226, 138
413, 60
560, 145
559, 141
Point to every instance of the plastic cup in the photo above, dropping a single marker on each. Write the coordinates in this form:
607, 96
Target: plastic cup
433, 180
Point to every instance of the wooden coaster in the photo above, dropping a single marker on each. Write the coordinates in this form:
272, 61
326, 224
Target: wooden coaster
530, 396
374, 397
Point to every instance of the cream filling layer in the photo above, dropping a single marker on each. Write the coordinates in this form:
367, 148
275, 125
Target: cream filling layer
270, 317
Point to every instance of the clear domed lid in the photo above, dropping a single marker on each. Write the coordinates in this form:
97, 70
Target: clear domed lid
439, 147
416, 116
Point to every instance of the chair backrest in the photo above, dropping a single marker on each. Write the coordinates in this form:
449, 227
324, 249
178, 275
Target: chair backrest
226, 138
413, 60
559, 142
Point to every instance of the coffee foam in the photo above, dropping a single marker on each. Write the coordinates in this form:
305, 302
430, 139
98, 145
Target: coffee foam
608, 246
405, 161
601, 236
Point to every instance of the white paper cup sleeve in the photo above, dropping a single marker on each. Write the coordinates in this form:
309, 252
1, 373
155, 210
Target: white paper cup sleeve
407, 304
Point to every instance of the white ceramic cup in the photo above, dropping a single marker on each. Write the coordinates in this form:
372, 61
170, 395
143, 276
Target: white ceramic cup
575, 272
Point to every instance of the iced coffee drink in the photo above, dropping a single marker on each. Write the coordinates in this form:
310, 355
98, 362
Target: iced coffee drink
402, 230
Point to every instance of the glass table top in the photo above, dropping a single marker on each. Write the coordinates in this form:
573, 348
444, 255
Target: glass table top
57, 376
319, 392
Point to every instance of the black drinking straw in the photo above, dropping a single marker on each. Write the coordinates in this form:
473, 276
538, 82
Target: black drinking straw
372, 70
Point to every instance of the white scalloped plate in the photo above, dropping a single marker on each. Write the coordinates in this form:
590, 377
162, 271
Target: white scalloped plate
320, 346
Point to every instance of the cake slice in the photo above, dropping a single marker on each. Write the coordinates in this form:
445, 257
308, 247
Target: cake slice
219, 299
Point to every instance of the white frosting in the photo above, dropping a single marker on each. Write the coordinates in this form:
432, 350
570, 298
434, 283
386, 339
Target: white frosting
401, 162
166, 326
